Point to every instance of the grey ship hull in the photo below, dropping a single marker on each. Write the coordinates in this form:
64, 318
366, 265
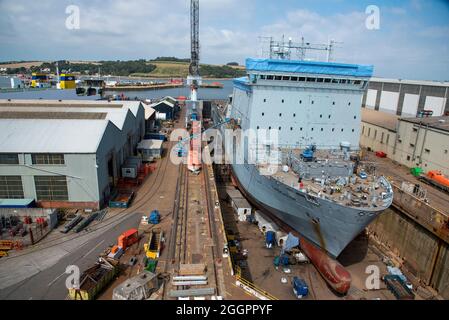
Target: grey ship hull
329, 225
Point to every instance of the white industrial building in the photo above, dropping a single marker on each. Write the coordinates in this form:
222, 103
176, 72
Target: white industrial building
66, 153
406, 98
412, 142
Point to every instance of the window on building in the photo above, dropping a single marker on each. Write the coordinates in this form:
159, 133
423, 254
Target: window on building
357, 82
352, 130
333, 129
263, 114
427, 150
388, 139
47, 158
445, 151
327, 80
257, 127
270, 77
280, 114
322, 129
300, 101
329, 116
369, 132
382, 138
408, 158
312, 129
335, 81
375, 134
349, 103
294, 78
312, 101
277, 78
355, 117
412, 145
285, 78
269, 128
311, 79
264, 100
302, 79
363, 129
51, 188
333, 103
291, 128
11, 187
294, 115
414, 129
321, 115
9, 158
300, 129
280, 128
282, 100
262, 77
342, 129
319, 80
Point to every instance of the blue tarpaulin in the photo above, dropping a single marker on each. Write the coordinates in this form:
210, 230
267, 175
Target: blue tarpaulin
242, 84
290, 242
312, 67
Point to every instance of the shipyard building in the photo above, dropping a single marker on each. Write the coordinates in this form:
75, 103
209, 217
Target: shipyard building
411, 141
66, 153
406, 98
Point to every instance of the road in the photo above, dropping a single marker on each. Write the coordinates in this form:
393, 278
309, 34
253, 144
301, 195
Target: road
49, 281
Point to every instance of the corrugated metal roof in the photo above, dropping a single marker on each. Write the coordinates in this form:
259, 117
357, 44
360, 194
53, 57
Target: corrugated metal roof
416, 82
52, 115
42, 135
241, 203
63, 103
117, 116
441, 122
380, 119
168, 103
150, 144
148, 112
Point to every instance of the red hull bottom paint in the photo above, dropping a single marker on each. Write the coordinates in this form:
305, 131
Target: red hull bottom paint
335, 275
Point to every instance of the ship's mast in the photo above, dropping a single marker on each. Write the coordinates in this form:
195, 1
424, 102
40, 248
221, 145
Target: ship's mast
283, 49
194, 78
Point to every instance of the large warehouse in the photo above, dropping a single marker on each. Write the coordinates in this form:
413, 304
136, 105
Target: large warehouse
406, 98
66, 153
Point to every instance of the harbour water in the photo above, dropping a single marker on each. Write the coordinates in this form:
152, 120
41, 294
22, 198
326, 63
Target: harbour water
204, 94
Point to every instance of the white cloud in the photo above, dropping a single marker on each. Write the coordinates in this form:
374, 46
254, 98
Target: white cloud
148, 28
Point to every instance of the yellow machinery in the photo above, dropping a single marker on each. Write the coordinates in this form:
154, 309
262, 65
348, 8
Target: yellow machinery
153, 247
67, 81
39, 80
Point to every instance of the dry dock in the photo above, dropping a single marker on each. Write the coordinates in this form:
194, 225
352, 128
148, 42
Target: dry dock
415, 231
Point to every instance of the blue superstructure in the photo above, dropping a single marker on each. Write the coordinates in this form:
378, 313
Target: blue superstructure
312, 67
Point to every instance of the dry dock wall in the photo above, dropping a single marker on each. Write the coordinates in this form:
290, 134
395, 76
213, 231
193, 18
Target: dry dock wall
409, 230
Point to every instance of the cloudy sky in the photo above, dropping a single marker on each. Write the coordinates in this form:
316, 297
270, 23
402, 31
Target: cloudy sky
411, 43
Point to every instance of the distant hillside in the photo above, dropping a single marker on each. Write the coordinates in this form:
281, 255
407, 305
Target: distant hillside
160, 67
171, 67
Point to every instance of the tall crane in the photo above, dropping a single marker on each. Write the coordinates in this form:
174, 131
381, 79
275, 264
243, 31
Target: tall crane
194, 78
